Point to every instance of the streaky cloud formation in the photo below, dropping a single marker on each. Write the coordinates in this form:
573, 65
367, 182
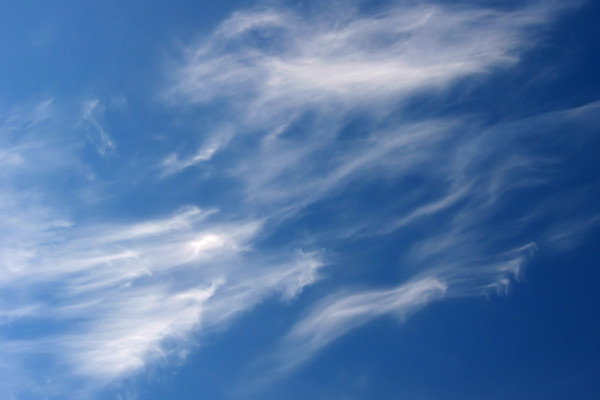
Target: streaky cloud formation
120, 296
292, 81
271, 68
278, 60
337, 315
128, 291
314, 116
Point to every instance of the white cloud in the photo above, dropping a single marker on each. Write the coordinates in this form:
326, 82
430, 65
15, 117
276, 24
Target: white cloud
131, 291
129, 294
290, 82
271, 63
133, 330
345, 311
119, 296
174, 163
274, 67
134, 294
92, 111
339, 314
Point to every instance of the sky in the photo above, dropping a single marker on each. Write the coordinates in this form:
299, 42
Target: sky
336, 199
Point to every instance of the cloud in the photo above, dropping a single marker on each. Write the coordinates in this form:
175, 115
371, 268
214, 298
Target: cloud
339, 314
117, 296
312, 112
92, 110
174, 163
133, 330
344, 311
270, 63
468, 252
291, 84
290, 81
134, 293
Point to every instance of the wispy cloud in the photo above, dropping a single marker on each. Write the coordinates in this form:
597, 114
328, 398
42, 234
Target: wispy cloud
274, 63
174, 163
290, 82
118, 296
346, 310
134, 293
92, 110
339, 314
281, 59
312, 112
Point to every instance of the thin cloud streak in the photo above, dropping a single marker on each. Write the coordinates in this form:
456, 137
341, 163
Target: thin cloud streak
337, 315
92, 110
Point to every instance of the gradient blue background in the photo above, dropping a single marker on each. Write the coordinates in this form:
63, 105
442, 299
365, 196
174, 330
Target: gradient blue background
541, 341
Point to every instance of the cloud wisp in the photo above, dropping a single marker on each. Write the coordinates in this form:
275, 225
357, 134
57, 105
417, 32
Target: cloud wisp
337, 315
273, 61
98, 135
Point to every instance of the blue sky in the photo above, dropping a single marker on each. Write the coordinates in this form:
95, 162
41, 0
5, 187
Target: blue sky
299, 199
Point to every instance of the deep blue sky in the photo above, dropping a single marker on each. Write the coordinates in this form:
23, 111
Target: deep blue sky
292, 200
